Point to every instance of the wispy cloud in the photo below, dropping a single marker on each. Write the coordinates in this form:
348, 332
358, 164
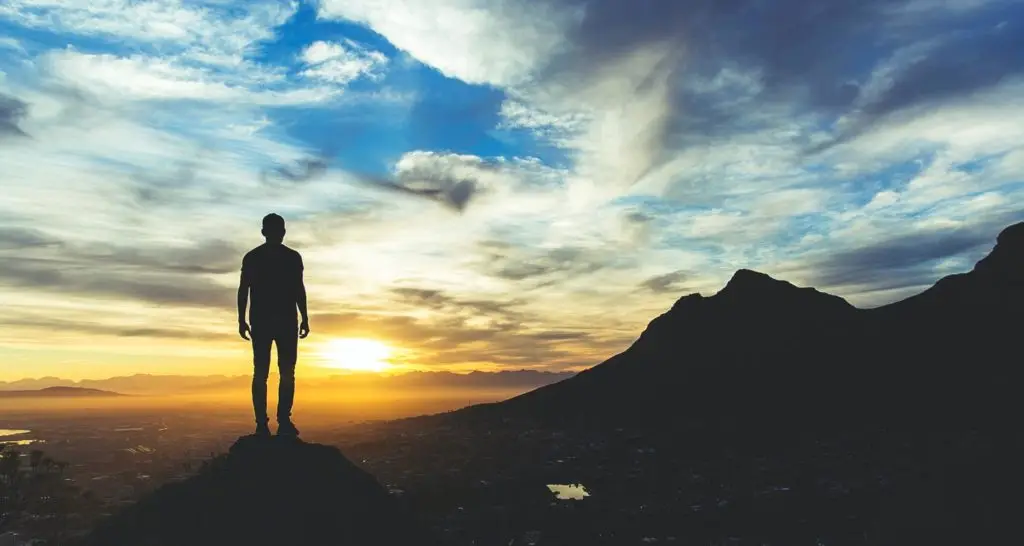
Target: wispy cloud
666, 283
498, 43
341, 63
147, 78
12, 111
209, 30
9, 43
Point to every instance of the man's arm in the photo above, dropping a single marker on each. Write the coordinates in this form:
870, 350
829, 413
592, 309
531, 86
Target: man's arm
243, 302
300, 300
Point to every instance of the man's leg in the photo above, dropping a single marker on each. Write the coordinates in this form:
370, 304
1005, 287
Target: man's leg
287, 354
260, 370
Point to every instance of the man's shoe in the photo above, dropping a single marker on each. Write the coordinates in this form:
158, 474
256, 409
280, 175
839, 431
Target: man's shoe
287, 428
262, 430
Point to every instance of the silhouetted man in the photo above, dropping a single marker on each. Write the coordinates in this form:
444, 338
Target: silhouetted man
272, 273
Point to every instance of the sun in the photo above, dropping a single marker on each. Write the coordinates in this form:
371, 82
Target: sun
356, 354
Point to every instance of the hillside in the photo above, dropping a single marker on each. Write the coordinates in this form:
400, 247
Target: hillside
764, 357
270, 492
765, 414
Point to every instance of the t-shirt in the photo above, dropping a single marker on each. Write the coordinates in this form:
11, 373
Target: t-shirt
274, 273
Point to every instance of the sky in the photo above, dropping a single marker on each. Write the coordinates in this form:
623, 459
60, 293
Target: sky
622, 155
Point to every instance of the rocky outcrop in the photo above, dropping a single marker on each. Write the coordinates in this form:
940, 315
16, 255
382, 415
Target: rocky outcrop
267, 492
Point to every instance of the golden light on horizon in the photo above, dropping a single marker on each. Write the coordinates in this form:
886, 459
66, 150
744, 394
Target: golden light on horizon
357, 354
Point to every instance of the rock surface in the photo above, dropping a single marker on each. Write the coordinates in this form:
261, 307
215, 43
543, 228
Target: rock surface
267, 492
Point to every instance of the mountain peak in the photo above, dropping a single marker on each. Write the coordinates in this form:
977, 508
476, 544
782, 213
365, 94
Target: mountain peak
748, 285
755, 288
1006, 261
267, 491
748, 279
1012, 235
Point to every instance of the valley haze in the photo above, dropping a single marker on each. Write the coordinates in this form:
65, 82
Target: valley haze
350, 396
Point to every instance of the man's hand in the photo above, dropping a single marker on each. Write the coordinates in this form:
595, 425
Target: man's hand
304, 329
243, 329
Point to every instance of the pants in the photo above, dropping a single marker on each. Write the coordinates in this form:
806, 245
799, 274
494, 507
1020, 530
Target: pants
286, 337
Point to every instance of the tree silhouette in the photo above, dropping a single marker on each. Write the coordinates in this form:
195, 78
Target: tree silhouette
34, 459
10, 491
41, 502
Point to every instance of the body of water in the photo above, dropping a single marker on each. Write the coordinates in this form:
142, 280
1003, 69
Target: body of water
6, 432
573, 491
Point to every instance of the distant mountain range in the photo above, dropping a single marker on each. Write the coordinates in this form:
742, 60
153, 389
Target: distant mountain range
58, 392
180, 384
763, 357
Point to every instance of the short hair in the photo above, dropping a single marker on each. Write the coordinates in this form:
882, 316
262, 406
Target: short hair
273, 222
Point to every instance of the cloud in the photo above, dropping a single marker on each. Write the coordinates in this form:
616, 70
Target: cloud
866, 261
934, 72
543, 267
341, 63
321, 51
210, 256
138, 77
451, 179
307, 169
459, 310
873, 264
215, 32
623, 79
153, 288
636, 226
163, 50
628, 152
58, 326
21, 238
471, 332
805, 54
12, 111
498, 43
559, 129
667, 283
792, 60
457, 179
969, 60
7, 42
149, 273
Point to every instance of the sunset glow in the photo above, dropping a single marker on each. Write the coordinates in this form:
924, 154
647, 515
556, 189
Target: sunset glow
597, 182
361, 355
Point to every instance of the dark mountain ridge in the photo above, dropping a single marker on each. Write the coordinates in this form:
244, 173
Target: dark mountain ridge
912, 406
764, 357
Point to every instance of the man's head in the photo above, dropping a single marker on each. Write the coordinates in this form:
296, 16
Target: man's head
273, 228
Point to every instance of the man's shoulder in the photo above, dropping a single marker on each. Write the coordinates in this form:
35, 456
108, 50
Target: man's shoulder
254, 255
254, 252
291, 252
268, 254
